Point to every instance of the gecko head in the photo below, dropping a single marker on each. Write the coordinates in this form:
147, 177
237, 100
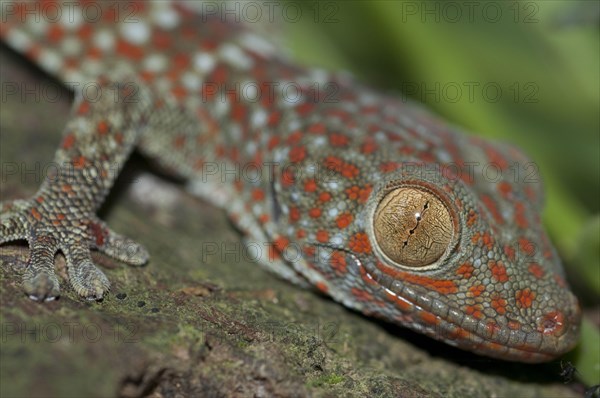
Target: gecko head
468, 267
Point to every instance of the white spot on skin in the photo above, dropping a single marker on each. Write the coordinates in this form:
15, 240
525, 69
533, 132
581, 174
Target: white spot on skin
259, 118
70, 46
251, 148
235, 57
204, 62
333, 185
37, 26
257, 44
337, 240
91, 67
166, 18
191, 81
104, 40
221, 107
18, 39
136, 33
333, 212
155, 62
50, 60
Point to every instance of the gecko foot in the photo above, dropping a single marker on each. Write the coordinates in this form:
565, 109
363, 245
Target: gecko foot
48, 231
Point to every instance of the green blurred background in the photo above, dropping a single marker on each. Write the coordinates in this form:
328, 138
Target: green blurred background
544, 56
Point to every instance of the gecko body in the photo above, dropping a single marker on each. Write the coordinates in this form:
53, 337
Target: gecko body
372, 200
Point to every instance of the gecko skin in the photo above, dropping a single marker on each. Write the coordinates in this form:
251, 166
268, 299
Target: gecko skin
370, 199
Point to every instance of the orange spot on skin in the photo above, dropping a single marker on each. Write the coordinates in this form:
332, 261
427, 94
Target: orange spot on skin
525, 298
287, 178
360, 194
315, 212
68, 141
294, 214
281, 243
476, 290
359, 243
361, 295
273, 119
350, 171
310, 185
498, 270
317, 128
304, 109
79, 162
343, 220
465, 270
387, 167
297, 154
498, 304
295, 137
338, 262
337, 139
442, 286
510, 252
429, 318
403, 305
263, 218
368, 146
520, 218
36, 214
493, 208
84, 108
474, 311
527, 246
258, 194
300, 233
472, 218
129, 50
459, 334
55, 33
322, 236
514, 325
324, 197
102, 127
366, 277
322, 287
505, 189
179, 141
536, 270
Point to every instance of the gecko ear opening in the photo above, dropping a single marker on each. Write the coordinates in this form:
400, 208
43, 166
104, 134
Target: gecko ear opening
413, 227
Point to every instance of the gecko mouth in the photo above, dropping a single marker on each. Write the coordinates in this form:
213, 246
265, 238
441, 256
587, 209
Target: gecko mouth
550, 335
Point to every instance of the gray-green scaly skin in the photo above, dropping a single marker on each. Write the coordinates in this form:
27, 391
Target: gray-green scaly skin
204, 98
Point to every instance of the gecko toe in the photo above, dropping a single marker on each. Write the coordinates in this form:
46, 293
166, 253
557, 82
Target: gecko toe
120, 247
87, 280
39, 281
41, 287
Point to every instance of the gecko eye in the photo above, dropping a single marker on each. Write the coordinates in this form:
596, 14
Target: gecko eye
412, 227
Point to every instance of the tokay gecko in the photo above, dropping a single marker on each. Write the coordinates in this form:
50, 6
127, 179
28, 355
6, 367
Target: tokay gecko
366, 197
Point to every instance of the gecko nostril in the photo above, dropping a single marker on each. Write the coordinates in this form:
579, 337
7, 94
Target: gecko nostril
552, 323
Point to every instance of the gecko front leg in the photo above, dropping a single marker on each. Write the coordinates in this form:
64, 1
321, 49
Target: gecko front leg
97, 140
